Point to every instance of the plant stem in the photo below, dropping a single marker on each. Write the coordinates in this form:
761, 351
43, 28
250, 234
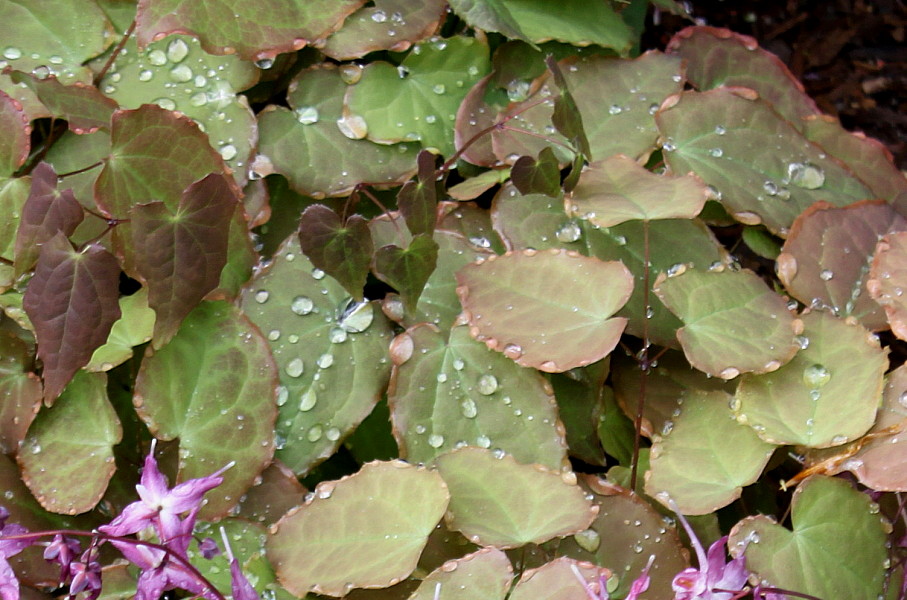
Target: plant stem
644, 363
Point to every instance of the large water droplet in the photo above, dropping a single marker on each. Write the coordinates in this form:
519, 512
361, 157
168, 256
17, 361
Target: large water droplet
588, 540
487, 384
314, 433
307, 115
337, 335
283, 394
308, 400
458, 364
513, 351
353, 127
302, 305
264, 63
228, 152
483, 441
325, 360
261, 296
826, 275
295, 367
716, 152
569, 232
12, 53
181, 74
146, 75
805, 175
439, 88
332, 434
356, 316
166, 103
815, 376
469, 409
157, 58
518, 90
379, 16
177, 50
435, 440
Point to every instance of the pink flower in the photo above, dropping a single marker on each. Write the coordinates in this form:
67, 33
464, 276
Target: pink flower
714, 571
240, 586
9, 584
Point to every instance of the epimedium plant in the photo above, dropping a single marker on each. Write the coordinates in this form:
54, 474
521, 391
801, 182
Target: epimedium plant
509, 296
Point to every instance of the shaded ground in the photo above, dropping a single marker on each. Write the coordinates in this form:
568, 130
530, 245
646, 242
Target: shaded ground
850, 54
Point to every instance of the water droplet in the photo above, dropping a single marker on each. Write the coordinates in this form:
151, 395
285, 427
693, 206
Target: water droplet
314, 433
283, 394
719, 130
498, 453
483, 441
487, 384
439, 88
716, 152
307, 115
805, 175
678, 269
166, 103
826, 275
228, 152
353, 126
513, 351
815, 376
302, 305
157, 58
325, 360
146, 75
729, 373
588, 540
469, 409
569, 232
261, 296
181, 74
308, 400
734, 403
839, 439
317, 274
770, 187
441, 378
177, 50
802, 341
668, 145
435, 440
295, 367
337, 335
356, 316
458, 364
379, 16
12, 53
264, 63
518, 90
902, 399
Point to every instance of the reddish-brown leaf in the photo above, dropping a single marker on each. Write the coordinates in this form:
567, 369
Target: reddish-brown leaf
180, 254
418, 200
83, 106
342, 250
16, 130
72, 302
45, 212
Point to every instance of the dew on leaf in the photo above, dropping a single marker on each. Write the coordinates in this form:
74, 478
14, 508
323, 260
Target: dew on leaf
805, 175
802, 341
166, 103
458, 364
352, 126
677, 269
317, 274
325, 360
729, 373
441, 378
308, 400
518, 90
435, 440
668, 145
314, 433
157, 58
483, 441
487, 384
264, 63
293, 338
815, 376
468, 408
301, 305
569, 232
588, 540
337, 335
513, 351
307, 115
770, 187
12, 53
261, 296
839, 439
333, 434
181, 74
826, 275
720, 130
295, 367
716, 152
177, 50
282, 395
228, 152
439, 88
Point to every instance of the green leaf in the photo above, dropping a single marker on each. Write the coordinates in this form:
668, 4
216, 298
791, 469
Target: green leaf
888, 278
306, 145
566, 116
363, 531
705, 458
176, 74
615, 431
761, 241
133, 328
16, 143
733, 323
496, 501
418, 201
826, 396
273, 494
52, 458
213, 387
387, 25
180, 253
81, 105
539, 308
760, 166
451, 392
255, 32
580, 406
343, 250
537, 176
486, 573
489, 15
417, 100
557, 580
331, 352
618, 189
835, 550
408, 270
21, 392
823, 262
575, 22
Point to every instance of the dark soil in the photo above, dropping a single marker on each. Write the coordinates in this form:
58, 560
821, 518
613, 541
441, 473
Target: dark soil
850, 54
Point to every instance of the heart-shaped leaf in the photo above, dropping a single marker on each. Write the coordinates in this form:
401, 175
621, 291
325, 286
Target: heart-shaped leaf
578, 23
52, 458
418, 201
486, 573
134, 327
408, 270
733, 323
826, 395
72, 303
213, 386
835, 550
386, 25
540, 175
363, 531
888, 279
343, 250
548, 310
180, 253
496, 501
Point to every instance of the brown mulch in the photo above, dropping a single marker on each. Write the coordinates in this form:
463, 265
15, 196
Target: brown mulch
850, 54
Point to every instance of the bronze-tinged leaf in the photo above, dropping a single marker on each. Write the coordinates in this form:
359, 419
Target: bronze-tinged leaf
180, 254
45, 212
343, 251
540, 175
16, 135
418, 200
83, 106
20, 390
888, 280
407, 270
72, 302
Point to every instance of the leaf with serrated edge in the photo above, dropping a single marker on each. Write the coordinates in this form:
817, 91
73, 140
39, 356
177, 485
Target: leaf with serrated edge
16, 142
306, 146
454, 391
46, 212
496, 501
213, 386
52, 457
836, 549
484, 574
396, 109
257, 31
83, 107
557, 580
363, 531
387, 25
407, 270
733, 323
824, 261
549, 310
826, 395
888, 279
180, 253
764, 169
331, 353
719, 57
343, 250
72, 301
728, 456
134, 327
618, 189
